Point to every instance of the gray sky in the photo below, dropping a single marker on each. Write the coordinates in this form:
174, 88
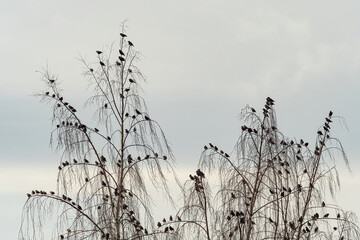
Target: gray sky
204, 61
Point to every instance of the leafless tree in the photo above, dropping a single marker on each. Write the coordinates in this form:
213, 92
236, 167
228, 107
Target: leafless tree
105, 170
273, 188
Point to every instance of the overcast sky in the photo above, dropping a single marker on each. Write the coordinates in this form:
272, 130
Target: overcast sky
203, 60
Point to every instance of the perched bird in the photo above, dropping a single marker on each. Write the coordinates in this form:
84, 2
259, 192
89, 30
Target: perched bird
47, 93
200, 173
227, 155
170, 218
253, 110
99, 52
159, 224
130, 44
147, 118
338, 216
121, 59
330, 114
323, 204
131, 80
121, 52
137, 112
164, 220
326, 215
102, 64
28, 195
96, 130
178, 218
123, 35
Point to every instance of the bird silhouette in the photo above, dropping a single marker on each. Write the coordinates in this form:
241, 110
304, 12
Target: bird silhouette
147, 118
123, 35
102, 64
130, 43
200, 173
99, 52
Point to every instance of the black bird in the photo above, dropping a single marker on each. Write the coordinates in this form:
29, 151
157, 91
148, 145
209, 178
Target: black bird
205, 147
121, 58
166, 229
91, 70
326, 215
147, 118
170, 218
338, 216
121, 52
123, 35
178, 218
253, 110
131, 80
137, 112
96, 130
47, 93
102, 64
28, 195
200, 173
130, 44
171, 228
99, 52
164, 220
227, 155
165, 157
323, 204
330, 113
319, 132
233, 195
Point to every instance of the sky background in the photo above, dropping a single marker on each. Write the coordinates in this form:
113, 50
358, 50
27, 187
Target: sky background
204, 61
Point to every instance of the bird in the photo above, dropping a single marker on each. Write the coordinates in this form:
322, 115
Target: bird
253, 110
227, 155
99, 52
131, 80
47, 93
91, 70
102, 64
147, 118
121, 52
200, 173
123, 35
137, 112
130, 44
159, 224
338, 216
165, 157
323, 204
330, 114
28, 195
105, 105
121, 59
178, 218
326, 215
